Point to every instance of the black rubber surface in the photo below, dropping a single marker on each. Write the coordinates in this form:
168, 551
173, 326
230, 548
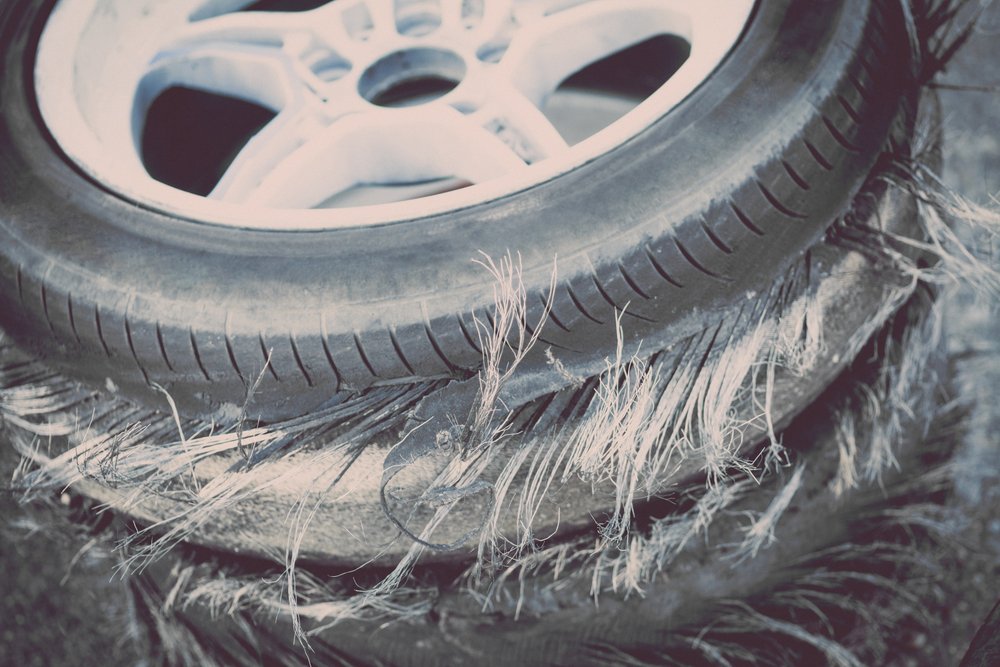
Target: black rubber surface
692, 216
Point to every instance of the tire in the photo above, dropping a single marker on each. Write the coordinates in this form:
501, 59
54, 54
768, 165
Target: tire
714, 200
855, 291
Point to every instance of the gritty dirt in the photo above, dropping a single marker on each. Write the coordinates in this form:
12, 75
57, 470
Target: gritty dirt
972, 167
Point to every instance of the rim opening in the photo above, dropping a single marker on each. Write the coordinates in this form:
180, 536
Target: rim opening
601, 93
284, 5
191, 136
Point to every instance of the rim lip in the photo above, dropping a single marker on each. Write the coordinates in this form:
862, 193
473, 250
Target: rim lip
54, 82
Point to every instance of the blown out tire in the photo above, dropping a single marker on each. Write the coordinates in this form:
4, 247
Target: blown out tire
713, 200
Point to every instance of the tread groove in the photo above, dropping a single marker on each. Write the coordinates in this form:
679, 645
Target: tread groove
620, 309
579, 306
821, 159
659, 268
527, 327
865, 95
714, 238
493, 324
232, 355
72, 318
229, 349
849, 109
131, 347
324, 334
867, 66
468, 336
364, 357
839, 137
795, 175
100, 331
579, 401
268, 357
20, 285
552, 315
333, 366
876, 38
539, 411
197, 356
777, 205
118, 419
631, 282
163, 347
878, 17
696, 264
745, 220
45, 310
399, 352
605, 295
437, 349
298, 361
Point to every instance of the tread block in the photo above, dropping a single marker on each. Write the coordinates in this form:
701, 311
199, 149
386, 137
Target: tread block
423, 351
146, 345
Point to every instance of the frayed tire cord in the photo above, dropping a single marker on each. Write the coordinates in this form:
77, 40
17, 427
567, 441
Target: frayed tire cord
433, 635
816, 325
678, 591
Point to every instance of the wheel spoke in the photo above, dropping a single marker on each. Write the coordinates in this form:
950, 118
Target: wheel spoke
250, 73
497, 16
520, 124
452, 14
546, 49
282, 136
325, 27
530, 11
248, 28
228, 54
383, 16
398, 146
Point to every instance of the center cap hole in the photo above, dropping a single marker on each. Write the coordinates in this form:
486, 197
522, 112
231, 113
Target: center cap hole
411, 77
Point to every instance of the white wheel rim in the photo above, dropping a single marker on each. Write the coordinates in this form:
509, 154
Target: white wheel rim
102, 62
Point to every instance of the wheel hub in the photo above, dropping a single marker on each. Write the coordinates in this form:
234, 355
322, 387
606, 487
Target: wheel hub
383, 93
411, 76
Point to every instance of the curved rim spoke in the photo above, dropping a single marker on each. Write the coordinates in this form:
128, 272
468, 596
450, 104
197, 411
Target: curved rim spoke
529, 11
287, 132
520, 124
325, 27
244, 72
453, 14
260, 28
497, 15
311, 49
383, 16
392, 147
549, 48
